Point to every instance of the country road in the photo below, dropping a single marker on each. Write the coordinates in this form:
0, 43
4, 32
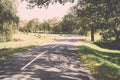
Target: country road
54, 61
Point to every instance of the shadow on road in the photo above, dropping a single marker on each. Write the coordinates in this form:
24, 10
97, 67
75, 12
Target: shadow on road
59, 63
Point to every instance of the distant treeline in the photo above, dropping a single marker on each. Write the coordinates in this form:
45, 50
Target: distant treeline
65, 25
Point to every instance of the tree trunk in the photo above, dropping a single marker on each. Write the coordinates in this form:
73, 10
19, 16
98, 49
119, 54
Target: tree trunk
117, 36
92, 33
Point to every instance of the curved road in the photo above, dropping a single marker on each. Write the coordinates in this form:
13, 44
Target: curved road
55, 61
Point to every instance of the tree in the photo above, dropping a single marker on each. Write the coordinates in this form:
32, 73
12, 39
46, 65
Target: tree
54, 24
40, 3
68, 23
22, 24
100, 12
45, 26
8, 19
32, 26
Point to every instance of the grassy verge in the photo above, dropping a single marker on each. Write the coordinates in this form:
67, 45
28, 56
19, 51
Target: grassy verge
6, 52
109, 45
23, 42
104, 63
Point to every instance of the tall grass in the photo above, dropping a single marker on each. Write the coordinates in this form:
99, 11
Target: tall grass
104, 63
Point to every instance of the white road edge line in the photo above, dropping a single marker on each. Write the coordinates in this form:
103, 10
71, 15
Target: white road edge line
36, 58
33, 60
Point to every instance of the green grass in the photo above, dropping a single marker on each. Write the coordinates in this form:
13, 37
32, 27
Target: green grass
7, 52
23, 42
103, 63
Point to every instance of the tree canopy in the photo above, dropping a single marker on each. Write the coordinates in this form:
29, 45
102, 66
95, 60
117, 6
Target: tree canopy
8, 19
102, 14
44, 3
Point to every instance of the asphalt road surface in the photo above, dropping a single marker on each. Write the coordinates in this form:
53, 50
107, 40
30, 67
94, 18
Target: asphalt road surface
55, 61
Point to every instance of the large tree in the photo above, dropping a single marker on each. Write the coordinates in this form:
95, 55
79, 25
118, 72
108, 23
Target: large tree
104, 14
8, 19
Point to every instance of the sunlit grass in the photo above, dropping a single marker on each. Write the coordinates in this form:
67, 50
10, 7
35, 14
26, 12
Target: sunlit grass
22, 42
88, 37
104, 63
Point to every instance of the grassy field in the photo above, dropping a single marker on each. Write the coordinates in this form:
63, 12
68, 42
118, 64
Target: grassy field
103, 63
22, 42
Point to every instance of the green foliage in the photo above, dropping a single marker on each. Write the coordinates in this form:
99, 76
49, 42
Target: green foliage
70, 23
48, 26
55, 26
32, 25
104, 65
57, 29
44, 3
104, 13
8, 20
45, 26
107, 35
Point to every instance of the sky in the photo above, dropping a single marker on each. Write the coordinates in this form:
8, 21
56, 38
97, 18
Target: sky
56, 10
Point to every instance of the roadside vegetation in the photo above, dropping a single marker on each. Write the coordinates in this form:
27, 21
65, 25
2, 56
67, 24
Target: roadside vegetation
22, 42
104, 63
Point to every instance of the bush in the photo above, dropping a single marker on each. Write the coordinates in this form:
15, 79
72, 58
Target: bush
6, 37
